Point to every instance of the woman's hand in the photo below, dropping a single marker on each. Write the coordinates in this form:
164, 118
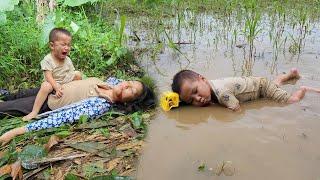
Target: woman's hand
101, 92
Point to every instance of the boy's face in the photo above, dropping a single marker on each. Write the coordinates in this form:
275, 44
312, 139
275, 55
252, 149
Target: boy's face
61, 47
197, 92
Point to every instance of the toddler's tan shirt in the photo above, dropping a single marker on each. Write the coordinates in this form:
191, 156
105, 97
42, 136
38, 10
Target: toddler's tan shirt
75, 91
234, 90
62, 74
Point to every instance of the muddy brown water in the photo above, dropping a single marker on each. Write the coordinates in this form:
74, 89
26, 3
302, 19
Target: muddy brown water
263, 141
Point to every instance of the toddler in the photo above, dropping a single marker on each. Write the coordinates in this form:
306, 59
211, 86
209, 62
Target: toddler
57, 67
230, 92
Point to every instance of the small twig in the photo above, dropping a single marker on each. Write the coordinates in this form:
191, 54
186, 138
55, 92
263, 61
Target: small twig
50, 160
32, 173
183, 43
135, 34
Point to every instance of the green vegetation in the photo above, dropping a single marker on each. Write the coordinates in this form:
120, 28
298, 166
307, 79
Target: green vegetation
97, 46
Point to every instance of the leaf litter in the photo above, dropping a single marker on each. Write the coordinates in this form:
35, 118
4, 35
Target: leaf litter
105, 148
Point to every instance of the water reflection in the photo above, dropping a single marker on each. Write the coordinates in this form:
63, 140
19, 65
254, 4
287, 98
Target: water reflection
189, 115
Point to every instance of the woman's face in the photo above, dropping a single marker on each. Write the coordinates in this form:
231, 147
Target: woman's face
127, 91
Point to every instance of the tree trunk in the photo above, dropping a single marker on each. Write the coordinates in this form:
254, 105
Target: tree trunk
43, 7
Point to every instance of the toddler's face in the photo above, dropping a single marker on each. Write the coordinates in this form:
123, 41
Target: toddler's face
197, 93
61, 47
127, 91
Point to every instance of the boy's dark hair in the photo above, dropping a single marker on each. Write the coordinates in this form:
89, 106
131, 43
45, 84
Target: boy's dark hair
180, 77
53, 33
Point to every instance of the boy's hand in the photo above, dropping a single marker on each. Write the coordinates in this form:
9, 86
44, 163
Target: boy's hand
59, 92
236, 108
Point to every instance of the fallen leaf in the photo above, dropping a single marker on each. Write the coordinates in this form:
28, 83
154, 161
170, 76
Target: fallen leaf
93, 168
128, 130
93, 125
5, 169
91, 147
77, 161
201, 167
52, 141
112, 164
105, 177
228, 168
70, 176
129, 145
218, 170
31, 153
16, 170
59, 175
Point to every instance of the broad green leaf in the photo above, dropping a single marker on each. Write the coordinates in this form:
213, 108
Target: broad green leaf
8, 5
47, 27
83, 119
63, 134
74, 3
93, 125
104, 131
74, 27
30, 153
136, 120
70, 176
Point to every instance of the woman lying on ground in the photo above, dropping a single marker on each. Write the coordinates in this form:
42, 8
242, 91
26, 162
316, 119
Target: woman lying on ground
91, 97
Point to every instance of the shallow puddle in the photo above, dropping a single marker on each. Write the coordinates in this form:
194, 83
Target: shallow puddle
263, 141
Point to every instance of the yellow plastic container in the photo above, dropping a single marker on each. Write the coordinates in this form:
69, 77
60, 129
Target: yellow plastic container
169, 100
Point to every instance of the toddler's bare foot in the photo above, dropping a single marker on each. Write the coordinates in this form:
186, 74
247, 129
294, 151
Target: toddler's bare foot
307, 88
30, 116
294, 73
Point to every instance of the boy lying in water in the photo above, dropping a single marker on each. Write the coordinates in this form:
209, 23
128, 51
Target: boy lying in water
196, 90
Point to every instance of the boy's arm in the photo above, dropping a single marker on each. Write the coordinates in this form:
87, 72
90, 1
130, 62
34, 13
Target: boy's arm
230, 101
49, 77
54, 84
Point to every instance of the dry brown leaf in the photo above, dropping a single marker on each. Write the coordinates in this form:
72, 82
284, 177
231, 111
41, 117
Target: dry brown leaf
129, 145
77, 161
59, 175
16, 170
2, 153
5, 169
112, 164
52, 141
127, 173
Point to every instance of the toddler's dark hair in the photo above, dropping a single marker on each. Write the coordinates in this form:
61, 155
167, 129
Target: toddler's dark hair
53, 33
182, 76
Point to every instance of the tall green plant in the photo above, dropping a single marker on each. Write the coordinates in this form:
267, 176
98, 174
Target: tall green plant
121, 30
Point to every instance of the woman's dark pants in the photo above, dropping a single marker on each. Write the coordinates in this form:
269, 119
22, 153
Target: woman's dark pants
21, 103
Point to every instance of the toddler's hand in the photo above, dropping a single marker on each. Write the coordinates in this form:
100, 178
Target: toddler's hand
59, 93
236, 108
